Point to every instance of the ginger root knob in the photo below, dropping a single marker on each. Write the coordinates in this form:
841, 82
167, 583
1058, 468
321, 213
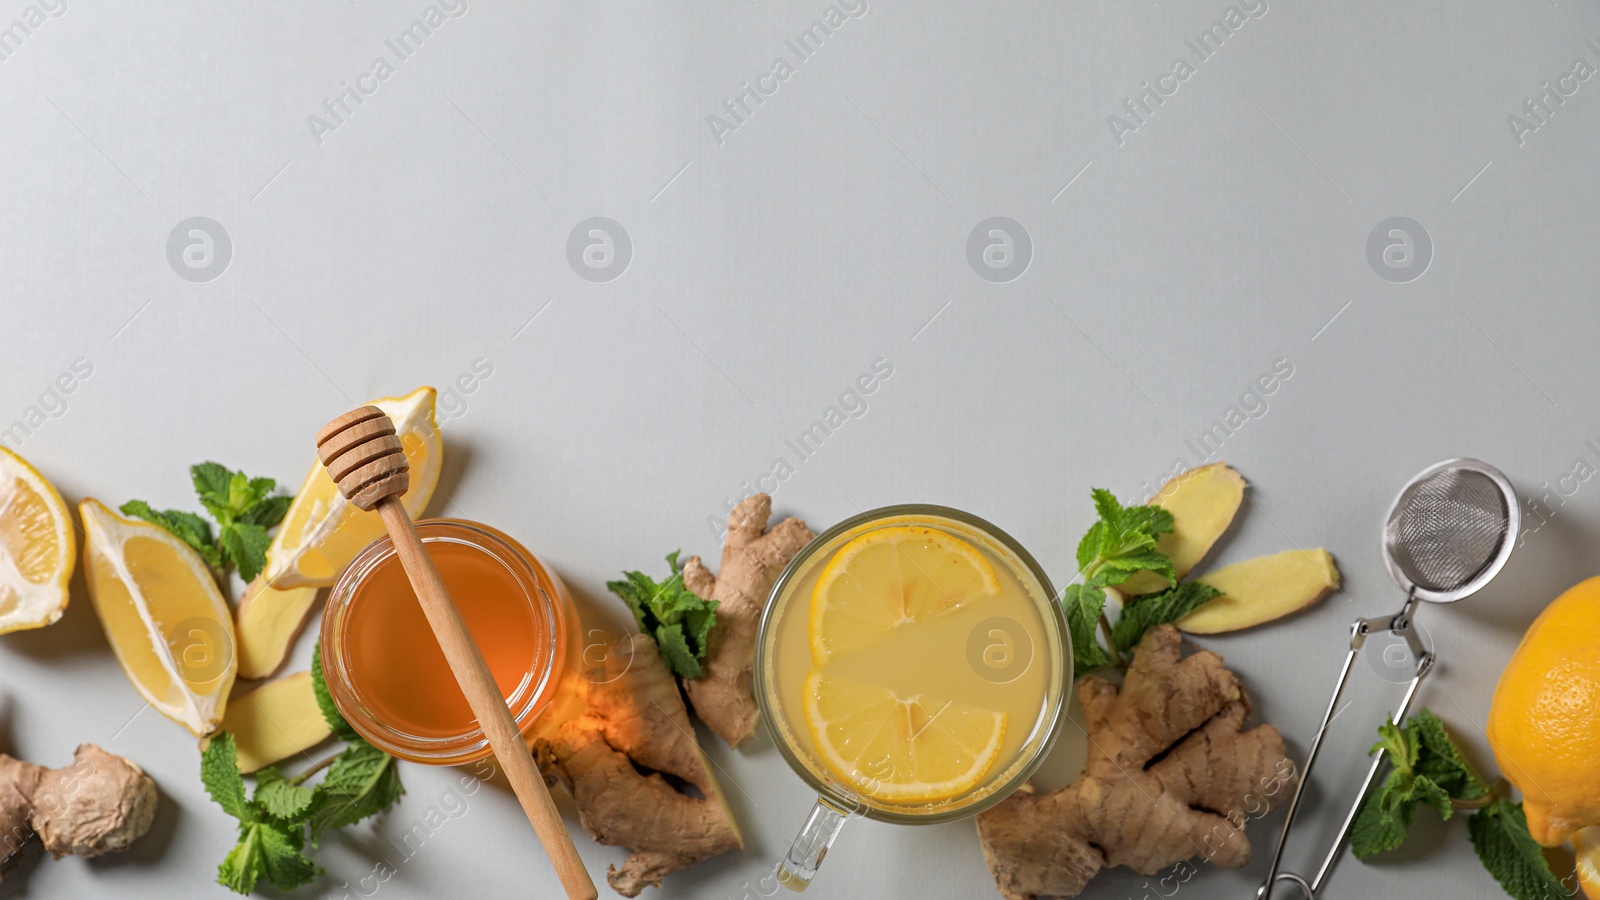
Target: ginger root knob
1171, 775
101, 803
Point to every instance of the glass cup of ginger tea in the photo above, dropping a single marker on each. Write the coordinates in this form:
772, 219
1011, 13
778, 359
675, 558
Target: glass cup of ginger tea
383, 665
912, 665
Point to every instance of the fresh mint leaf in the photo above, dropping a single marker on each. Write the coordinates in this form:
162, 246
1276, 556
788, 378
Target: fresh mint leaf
186, 526
247, 546
1118, 569
219, 773
675, 651
1123, 543
1106, 506
1423, 790
211, 481
271, 834
1143, 613
1426, 766
677, 618
362, 781
1083, 606
267, 512
330, 710
245, 864
284, 861
1401, 748
252, 492
1499, 833
266, 851
1153, 520
1441, 760
697, 624
1381, 825
280, 798
1089, 546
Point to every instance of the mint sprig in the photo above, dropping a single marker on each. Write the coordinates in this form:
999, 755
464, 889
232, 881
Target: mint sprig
243, 507
1123, 543
1420, 770
677, 618
1117, 547
275, 819
1427, 767
271, 845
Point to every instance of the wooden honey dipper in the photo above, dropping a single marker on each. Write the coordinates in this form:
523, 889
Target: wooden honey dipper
364, 457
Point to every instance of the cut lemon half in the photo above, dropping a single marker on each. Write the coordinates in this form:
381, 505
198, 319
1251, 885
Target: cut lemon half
37, 547
890, 577
322, 532
902, 750
163, 614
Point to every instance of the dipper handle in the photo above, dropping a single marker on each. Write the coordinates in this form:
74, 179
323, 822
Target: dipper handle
365, 459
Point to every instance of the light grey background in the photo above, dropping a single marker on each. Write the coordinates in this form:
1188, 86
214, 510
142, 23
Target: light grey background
429, 230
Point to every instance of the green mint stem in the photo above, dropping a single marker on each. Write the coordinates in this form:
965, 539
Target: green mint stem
1111, 644
316, 767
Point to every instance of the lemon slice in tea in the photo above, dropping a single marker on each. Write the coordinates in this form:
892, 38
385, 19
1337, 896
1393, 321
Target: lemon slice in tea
901, 749
889, 577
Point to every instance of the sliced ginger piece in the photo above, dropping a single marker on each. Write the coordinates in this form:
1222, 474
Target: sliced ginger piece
1203, 503
1255, 591
266, 623
275, 721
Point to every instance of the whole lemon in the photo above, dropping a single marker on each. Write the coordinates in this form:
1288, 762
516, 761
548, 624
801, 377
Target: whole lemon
1544, 723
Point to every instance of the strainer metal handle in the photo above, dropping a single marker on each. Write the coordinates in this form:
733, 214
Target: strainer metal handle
1448, 533
1400, 625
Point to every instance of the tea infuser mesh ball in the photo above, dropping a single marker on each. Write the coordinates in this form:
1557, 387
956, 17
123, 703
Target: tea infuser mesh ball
1445, 530
1448, 533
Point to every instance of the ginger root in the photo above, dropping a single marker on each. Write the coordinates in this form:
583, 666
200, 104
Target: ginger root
1170, 776
612, 760
752, 557
100, 804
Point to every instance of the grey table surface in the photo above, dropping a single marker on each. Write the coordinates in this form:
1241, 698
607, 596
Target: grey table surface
1190, 195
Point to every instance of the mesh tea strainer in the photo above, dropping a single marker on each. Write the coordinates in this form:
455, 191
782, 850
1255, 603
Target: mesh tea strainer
1449, 532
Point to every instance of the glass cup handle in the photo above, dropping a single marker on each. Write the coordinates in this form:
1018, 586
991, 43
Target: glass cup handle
811, 846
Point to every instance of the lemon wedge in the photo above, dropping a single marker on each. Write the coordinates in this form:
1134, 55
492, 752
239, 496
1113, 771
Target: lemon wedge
901, 749
163, 614
322, 532
890, 577
37, 547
